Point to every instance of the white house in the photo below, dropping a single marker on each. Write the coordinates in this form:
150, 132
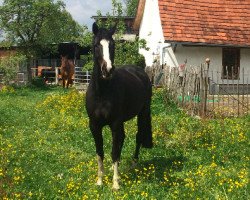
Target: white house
195, 30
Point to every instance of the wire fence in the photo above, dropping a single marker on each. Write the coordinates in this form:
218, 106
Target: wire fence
208, 93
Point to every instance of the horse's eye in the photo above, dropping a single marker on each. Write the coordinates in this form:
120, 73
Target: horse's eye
97, 46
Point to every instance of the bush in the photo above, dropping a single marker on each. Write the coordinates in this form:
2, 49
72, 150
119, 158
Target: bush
9, 66
7, 90
38, 82
127, 53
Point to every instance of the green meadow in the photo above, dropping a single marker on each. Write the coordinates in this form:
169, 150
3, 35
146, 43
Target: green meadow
47, 151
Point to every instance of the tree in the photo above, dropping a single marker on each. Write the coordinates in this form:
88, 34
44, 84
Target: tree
131, 7
126, 52
34, 25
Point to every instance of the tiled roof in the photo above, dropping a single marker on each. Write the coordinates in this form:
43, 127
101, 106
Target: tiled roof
223, 22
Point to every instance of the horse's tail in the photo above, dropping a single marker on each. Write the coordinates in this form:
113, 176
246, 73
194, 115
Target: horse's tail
147, 140
144, 135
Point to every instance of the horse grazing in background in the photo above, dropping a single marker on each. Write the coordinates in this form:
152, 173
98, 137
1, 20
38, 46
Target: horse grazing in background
67, 71
114, 96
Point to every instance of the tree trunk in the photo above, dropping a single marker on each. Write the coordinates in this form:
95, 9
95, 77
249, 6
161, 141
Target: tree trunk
29, 71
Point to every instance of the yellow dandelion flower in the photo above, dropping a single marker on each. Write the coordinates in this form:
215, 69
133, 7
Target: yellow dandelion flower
1, 172
17, 195
85, 197
144, 194
30, 194
213, 164
17, 178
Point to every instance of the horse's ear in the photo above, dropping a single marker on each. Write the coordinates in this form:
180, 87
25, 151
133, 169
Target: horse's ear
95, 28
113, 29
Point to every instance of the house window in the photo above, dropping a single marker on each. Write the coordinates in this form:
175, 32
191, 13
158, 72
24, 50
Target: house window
230, 63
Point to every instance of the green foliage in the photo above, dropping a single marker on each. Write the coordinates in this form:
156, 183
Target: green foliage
38, 82
7, 89
47, 152
127, 52
131, 7
9, 66
85, 38
35, 25
89, 64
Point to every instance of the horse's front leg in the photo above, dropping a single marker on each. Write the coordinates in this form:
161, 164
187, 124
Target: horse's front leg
63, 83
118, 137
96, 131
68, 82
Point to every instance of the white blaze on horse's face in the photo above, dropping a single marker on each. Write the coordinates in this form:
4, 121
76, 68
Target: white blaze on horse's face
106, 55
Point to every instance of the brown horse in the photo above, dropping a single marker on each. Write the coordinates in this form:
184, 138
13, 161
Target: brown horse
67, 71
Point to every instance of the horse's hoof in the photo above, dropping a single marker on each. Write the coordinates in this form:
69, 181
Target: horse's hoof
111, 168
116, 187
99, 183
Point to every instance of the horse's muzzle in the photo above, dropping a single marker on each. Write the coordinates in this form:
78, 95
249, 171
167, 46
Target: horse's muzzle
105, 72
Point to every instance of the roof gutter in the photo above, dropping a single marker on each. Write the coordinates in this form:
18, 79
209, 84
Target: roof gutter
166, 47
203, 44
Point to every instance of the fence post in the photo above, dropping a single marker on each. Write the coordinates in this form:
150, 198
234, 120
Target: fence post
243, 89
201, 91
182, 87
206, 84
57, 73
247, 95
87, 75
238, 92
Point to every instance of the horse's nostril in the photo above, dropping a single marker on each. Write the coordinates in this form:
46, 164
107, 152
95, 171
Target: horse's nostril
106, 72
104, 69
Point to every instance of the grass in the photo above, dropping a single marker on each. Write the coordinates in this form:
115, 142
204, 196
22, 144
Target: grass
47, 152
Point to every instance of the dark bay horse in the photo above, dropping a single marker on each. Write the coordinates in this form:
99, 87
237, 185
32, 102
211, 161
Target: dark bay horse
67, 71
114, 96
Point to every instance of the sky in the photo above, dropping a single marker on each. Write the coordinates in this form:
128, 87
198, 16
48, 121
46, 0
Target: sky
83, 10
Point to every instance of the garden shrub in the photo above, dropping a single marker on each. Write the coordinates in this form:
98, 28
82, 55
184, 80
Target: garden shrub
9, 66
38, 82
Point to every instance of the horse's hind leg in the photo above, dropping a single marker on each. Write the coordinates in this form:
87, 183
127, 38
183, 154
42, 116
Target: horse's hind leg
67, 84
96, 131
63, 83
69, 81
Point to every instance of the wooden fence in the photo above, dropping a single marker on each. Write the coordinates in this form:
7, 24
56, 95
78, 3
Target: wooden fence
203, 92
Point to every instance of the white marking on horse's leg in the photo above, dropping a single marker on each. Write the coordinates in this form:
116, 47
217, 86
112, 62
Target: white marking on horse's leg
106, 56
116, 177
100, 170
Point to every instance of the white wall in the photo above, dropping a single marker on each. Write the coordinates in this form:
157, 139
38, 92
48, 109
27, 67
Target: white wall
151, 30
197, 55
245, 61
